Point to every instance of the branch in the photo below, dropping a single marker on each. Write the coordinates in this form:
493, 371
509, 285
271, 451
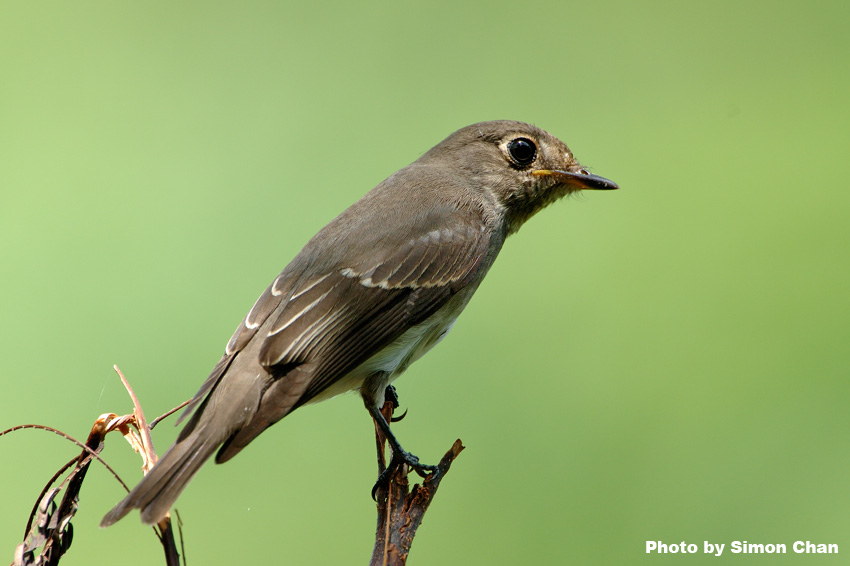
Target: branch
400, 510
49, 531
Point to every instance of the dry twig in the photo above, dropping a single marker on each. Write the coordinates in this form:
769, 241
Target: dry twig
49, 531
400, 509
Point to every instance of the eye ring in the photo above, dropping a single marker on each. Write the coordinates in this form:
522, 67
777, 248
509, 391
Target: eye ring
522, 151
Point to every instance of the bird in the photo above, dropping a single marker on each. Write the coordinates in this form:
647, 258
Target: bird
368, 295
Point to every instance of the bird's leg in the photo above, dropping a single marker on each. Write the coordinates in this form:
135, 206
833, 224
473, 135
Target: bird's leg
400, 455
391, 396
380, 440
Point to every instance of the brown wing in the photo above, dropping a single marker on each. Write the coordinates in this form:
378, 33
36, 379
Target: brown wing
247, 329
321, 320
340, 318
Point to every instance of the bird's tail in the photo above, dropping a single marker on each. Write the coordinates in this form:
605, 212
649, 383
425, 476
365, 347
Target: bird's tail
235, 410
159, 489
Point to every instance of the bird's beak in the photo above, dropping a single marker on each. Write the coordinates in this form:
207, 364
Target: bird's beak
580, 180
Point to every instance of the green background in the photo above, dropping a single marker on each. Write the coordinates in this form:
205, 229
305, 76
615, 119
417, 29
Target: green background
665, 362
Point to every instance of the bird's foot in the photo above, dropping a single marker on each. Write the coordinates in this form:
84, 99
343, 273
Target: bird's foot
402, 458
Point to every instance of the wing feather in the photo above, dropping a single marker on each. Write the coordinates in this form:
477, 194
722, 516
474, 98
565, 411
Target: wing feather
324, 315
347, 315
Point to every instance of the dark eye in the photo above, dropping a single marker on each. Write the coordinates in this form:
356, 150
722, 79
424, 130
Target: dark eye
522, 151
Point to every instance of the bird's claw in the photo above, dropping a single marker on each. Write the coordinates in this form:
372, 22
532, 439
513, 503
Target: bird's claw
399, 459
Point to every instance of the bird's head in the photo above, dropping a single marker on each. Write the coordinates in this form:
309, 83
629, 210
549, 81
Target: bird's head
518, 166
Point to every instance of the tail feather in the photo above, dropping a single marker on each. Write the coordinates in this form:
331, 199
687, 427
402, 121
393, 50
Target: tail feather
159, 489
237, 409
230, 403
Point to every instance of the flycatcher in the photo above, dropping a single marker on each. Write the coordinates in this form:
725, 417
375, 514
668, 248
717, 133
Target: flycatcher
367, 296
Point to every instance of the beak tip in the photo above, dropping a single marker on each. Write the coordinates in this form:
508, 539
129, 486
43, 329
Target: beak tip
595, 182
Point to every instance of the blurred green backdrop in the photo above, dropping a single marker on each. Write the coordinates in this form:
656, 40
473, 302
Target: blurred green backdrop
666, 362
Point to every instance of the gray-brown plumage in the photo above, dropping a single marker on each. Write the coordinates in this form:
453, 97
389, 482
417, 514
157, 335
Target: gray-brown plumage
369, 294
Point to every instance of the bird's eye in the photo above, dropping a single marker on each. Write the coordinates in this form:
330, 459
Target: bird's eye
522, 151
